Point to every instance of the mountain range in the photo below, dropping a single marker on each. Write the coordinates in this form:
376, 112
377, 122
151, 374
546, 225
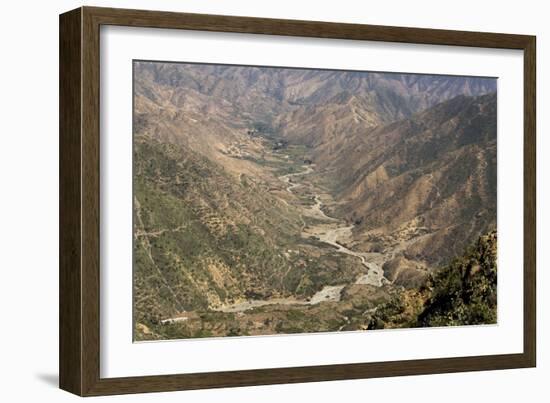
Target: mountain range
257, 184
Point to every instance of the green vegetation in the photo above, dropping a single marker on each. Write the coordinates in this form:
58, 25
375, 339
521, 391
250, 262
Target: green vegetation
463, 292
224, 245
279, 163
204, 238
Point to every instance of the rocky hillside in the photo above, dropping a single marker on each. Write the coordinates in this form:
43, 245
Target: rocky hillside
464, 292
296, 101
204, 239
271, 200
429, 179
403, 154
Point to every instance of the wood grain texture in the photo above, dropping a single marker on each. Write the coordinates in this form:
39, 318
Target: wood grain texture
317, 29
90, 202
70, 271
530, 203
80, 201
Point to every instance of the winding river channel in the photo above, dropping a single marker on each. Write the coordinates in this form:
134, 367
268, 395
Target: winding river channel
331, 231
335, 232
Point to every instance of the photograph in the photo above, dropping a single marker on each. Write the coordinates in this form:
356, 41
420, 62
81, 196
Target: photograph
283, 200
251, 202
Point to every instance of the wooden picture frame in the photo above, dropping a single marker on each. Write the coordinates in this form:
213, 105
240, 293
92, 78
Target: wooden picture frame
79, 346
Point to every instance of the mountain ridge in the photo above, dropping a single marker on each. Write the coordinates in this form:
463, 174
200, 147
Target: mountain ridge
266, 195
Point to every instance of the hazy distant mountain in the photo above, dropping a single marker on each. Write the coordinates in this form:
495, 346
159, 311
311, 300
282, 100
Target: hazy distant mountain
264, 94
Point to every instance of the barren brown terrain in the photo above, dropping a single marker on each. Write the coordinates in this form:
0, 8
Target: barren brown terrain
271, 200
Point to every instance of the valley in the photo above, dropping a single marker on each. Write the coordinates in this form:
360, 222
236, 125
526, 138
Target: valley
329, 230
273, 201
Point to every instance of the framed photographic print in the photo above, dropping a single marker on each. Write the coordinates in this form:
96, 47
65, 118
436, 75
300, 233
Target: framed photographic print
249, 201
